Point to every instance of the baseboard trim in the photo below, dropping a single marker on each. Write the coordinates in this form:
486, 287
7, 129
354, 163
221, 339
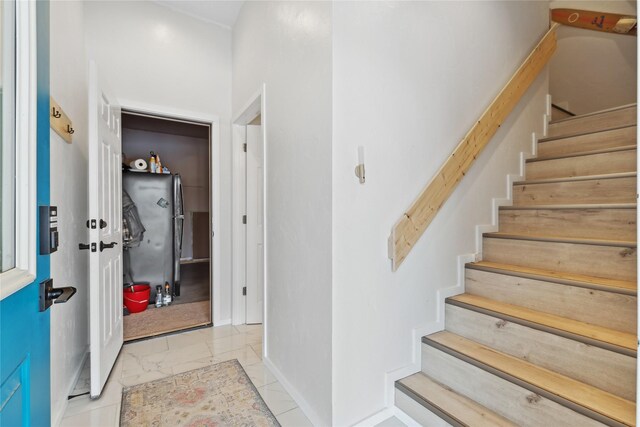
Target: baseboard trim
294, 393
385, 414
223, 322
426, 329
56, 418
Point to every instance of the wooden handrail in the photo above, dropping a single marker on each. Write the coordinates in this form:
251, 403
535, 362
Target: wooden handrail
417, 218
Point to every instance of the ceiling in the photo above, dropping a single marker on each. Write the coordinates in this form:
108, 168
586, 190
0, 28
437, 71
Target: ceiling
220, 12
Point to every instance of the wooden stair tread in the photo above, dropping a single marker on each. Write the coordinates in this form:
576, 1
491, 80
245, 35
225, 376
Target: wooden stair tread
582, 154
449, 405
555, 385
596, 334
585, 206
578, 134
576, 240
620, 286
578, 178
595, 113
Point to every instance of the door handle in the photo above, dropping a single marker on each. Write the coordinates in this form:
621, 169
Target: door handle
50, 295
104, 246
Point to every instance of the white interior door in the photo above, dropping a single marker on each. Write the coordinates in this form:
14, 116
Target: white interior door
105, 207
255, 224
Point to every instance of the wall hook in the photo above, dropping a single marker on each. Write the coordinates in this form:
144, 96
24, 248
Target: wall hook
70, 130
56, 114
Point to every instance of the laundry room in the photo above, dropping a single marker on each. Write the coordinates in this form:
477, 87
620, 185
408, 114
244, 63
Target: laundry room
166, 214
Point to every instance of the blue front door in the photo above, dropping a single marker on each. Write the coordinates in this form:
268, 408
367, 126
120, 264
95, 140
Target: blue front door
24, 330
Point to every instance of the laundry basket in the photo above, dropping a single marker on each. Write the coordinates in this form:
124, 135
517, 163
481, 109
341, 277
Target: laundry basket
136, 297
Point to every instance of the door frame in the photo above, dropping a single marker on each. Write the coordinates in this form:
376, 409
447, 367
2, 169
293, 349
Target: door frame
256, 105
26, 154
214, 191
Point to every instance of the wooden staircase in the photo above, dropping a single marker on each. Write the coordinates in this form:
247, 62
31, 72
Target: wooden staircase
545, 333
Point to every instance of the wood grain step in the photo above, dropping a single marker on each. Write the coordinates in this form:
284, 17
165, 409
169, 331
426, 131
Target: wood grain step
600, 189
588, 222
589, 400
607, 370
506, 398
584, 164
609, 339
418, 413
612, 118
589, 282
607, 309
455, 409
576, 206
577, 240
585, 142
599, 258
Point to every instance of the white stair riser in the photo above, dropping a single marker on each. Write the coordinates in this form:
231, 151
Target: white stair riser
501, 396
593, 164
611, 119
607, 370
611, 224
608, 309
592, 260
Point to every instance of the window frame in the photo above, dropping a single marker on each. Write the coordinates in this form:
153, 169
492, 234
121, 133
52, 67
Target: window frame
24, 271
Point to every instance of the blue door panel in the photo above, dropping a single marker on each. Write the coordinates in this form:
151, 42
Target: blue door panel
24, 331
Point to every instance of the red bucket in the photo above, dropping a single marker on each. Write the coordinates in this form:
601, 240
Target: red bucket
136, 297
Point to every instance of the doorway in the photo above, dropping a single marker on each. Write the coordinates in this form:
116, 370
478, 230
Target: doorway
167, 201
249, 245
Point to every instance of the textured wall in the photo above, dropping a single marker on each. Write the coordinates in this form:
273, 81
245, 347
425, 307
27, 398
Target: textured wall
409, 80
287, 46
593, 71
70, 321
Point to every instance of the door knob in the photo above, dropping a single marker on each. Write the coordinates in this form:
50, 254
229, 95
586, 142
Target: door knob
104, 246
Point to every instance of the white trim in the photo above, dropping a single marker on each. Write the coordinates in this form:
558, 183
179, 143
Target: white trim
13, 280
238, 268
405, 418
26, 152
8, 28
223, 322
72, 384
162, 110
214, 121
254, 107
385, 414
377, 418
294, 393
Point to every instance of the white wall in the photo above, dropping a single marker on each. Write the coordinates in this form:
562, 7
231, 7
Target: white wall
287, 46
69, 322
155, 56
407, 85
591, 70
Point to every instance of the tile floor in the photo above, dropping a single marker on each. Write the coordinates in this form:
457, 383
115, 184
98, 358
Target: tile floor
156, 358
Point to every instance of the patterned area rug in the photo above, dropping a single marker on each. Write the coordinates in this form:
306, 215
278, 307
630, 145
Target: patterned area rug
218, 395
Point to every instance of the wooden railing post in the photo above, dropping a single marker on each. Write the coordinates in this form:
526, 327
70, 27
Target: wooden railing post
416, 219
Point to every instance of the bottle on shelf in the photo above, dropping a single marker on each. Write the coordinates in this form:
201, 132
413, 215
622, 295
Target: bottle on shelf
167, 294
152, 162
159, 296
158, 164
